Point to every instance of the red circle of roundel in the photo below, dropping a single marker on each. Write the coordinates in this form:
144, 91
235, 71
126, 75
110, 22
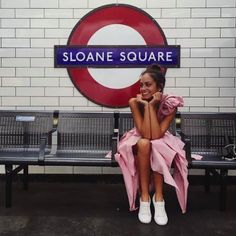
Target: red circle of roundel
124, 14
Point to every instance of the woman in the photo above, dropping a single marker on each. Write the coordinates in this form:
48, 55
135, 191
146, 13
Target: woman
147, 152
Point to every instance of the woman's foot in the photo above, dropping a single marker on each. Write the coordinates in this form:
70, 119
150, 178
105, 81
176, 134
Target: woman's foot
160, 215
144, 213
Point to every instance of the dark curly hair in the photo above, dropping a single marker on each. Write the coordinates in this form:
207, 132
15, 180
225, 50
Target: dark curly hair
155, 72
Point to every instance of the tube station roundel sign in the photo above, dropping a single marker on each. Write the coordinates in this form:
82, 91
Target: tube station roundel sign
109, 48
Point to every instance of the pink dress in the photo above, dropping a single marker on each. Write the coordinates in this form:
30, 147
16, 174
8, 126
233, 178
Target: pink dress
166, 152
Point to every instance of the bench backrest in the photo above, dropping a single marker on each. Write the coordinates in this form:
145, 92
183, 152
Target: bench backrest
126, 123
91, 131
208, 131
24, 129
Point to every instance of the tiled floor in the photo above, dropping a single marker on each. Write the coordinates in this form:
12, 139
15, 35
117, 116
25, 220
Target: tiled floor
101, 209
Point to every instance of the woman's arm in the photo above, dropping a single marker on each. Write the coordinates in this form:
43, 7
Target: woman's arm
158, 129
142, 121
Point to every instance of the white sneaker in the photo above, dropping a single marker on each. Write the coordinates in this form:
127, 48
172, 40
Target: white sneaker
160, 216
144, 213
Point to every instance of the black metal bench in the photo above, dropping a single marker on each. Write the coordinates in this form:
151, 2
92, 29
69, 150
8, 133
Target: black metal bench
21, 135
58, 139
207, 134
85, 139
82, 138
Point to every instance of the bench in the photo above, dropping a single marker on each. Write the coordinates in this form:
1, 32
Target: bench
64, 138
207, 134
54, 138
21, 136
85, 138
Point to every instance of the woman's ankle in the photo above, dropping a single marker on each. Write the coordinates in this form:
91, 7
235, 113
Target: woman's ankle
159, 197
145, 197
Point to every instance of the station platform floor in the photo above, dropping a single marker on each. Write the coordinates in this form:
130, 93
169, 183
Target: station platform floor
100, 208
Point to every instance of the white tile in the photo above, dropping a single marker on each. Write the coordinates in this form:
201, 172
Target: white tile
15, 62
194, 102
7, 33
87, 170
219, 3
205, 12
228, 92
7, 52
187, 3
15, 43
15, 81
73, 101
7, 91
29, 13
44, 23
205, 33
205, 52
204, 72
220, 42
15, 23
58, 92
44, 101
161, 3
31, 91
7, 72
44, 82
228, 12
7, 13
29, 52
219, 62
15, 4
58, 169
219, 23
230, 32
30, 33
58, 13
204, 92
44, 4
73, 4
175, 13
219, 102
16, 101
219, 82
191, 23
33, 72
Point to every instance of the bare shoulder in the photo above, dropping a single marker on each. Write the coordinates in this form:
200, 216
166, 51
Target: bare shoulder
132, 101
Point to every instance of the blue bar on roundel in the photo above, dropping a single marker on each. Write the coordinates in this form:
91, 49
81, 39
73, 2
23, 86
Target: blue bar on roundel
116, 56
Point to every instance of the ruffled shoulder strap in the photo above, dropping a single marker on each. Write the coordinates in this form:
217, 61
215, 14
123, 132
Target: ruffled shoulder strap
168, 104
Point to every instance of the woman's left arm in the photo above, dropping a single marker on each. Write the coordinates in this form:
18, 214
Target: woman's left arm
158, 129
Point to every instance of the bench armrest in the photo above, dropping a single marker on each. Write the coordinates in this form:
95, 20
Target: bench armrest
114, 143
187, 146
42, 148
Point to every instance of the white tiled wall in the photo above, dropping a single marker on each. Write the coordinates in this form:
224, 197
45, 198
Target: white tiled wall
29, 29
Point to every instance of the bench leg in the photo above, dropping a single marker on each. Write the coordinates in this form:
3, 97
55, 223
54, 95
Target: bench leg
8, 186
25, 177
207, 180
223, 189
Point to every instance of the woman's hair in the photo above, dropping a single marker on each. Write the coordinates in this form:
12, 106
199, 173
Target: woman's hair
155, 72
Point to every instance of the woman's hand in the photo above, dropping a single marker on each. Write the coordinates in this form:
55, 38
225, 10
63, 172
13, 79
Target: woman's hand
156, 98
140, 99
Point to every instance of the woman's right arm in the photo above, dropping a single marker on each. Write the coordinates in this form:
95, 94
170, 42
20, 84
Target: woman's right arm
142, 121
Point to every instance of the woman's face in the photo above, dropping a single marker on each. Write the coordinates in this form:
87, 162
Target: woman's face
147, 86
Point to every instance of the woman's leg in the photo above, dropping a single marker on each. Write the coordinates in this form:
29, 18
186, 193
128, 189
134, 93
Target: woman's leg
160, 215
158, 184
143, 165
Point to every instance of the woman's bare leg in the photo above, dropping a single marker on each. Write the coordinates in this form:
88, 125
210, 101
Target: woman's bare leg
158, 183
143, 165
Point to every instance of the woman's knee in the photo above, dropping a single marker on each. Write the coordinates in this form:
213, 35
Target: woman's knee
144, 145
